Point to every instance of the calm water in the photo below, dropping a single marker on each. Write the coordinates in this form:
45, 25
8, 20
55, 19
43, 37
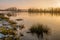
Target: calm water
49, 19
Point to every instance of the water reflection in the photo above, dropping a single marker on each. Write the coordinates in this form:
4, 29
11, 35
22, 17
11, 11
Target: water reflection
52, 20
49, 14
9, 13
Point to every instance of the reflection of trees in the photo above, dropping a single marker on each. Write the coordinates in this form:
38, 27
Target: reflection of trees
51, 14
12, 14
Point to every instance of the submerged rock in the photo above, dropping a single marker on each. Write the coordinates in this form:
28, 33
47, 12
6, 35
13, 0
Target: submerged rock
19, 19
2, 35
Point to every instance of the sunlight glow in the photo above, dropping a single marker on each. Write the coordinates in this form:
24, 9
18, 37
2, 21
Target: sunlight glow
29, 3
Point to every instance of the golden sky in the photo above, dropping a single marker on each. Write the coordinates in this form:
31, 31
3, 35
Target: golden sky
29, 3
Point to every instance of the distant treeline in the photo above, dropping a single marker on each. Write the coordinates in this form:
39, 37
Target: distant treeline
33, 10
49, 10
14, 9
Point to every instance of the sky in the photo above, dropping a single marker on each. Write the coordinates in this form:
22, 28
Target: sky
25, 4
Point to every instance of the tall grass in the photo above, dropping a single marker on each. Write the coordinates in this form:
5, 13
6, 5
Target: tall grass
39, 30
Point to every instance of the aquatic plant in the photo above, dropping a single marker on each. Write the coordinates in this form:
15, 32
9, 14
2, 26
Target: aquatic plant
4, 18
6, 31
11, 22
39, 30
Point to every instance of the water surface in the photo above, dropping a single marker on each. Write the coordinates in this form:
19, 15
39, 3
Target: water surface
52, 20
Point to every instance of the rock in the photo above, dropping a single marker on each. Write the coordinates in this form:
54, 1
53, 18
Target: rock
19, 19
2, 35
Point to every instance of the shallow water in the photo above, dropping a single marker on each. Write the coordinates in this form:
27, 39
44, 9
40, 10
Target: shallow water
52, 20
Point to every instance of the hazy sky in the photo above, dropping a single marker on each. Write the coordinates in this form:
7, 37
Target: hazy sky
29, 3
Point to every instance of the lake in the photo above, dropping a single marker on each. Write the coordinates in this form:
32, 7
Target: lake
52, 20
